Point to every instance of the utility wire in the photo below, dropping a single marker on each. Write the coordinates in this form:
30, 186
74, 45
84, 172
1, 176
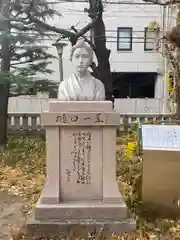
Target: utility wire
106, 2
56, 34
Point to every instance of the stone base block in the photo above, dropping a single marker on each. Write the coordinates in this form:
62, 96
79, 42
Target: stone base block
81, 210
73, 229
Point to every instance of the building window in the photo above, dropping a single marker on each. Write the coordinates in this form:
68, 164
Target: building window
150, 40
134, 84
124, 39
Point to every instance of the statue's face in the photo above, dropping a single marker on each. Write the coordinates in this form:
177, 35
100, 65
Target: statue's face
81, 60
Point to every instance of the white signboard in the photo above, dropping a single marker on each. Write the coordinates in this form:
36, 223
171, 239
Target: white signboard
161, 137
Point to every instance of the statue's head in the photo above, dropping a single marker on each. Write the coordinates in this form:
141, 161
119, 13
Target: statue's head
81, 56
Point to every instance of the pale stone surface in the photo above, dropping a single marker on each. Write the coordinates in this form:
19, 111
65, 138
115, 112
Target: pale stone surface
81, 164
81, 85
80, 119
83, 228
92, 135
162, 189
82, 210
161, 151
73, 187
10, 213
80, 106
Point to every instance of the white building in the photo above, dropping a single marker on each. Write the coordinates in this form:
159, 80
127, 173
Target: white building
138, 69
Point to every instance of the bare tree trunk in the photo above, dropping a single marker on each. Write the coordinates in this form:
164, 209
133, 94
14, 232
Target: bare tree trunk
103, 58
102, 53
4, 83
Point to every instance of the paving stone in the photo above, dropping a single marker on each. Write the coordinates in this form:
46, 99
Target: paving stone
10, 213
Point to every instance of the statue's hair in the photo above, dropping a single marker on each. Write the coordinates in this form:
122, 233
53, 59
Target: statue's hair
81, 44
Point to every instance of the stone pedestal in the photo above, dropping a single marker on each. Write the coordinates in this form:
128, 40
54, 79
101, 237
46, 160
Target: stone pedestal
81, 165
161, 154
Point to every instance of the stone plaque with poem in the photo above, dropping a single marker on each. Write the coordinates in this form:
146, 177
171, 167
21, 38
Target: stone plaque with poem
81, 163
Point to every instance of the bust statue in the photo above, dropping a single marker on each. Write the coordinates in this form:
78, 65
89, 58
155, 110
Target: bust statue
81, 85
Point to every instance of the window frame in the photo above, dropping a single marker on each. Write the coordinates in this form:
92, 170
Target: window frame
119, 29
145, 41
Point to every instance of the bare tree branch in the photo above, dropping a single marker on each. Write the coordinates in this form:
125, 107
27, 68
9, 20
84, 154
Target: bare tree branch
86, 28
72, 36
162, 3
51, 28
85, 39
64, 32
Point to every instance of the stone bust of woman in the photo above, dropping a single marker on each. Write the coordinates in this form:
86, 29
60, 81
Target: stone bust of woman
81, 85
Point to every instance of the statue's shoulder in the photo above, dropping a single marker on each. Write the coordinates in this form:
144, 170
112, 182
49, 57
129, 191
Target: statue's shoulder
98, 83
63, 84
